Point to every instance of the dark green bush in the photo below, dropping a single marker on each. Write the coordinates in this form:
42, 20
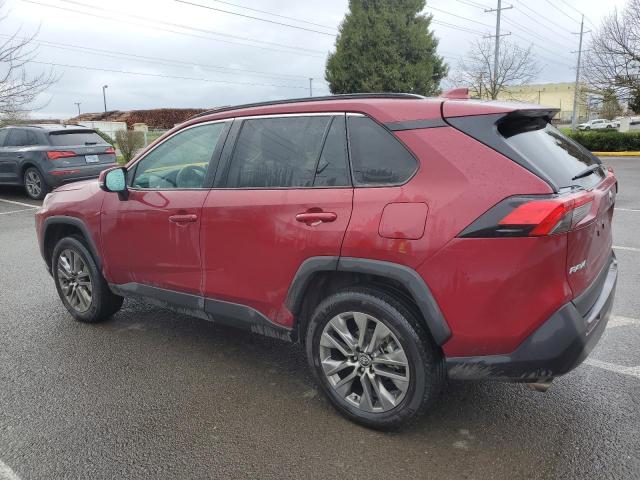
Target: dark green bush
608, 140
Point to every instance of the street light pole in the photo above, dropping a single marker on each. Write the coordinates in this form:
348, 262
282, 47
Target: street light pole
574, 116
78, 105
311, 87
104, 97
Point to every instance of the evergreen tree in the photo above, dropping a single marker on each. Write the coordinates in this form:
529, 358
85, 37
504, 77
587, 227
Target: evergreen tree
634, 103
385, 46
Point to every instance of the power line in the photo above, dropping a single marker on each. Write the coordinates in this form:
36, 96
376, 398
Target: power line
560, 27
474, 4
456, 27
579, 12
459, 16
276, 15
290, 50
160, 75
157, 60
208, 7
561, 11
533, 34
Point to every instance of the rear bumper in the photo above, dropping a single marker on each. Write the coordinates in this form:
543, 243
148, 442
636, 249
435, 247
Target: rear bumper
557, 347
59, 176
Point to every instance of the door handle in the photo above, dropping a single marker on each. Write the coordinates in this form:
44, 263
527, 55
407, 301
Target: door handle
314, 219
189, 218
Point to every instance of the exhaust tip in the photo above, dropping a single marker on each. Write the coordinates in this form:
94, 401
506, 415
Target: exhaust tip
541, 386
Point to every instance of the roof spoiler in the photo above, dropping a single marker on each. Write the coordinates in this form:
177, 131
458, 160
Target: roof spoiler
456, 94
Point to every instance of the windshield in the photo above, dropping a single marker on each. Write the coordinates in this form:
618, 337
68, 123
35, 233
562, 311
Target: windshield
558, 156
76, 138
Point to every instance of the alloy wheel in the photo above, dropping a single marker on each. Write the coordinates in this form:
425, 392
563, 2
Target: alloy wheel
75, 280
33, 183
364, 362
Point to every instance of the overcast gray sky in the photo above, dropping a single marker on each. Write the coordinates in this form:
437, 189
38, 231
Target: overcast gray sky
133, 46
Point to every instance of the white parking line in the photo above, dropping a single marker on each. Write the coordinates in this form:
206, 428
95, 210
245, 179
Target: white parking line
628, 249
628, 209
612, 367
22, 204
6, 473
616, 321
18, 211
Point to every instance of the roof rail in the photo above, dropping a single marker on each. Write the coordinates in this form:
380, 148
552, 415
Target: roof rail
348, 96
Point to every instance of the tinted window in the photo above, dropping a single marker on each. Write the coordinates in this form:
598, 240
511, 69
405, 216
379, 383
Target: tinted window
278, 152
180, 162
333, 167
3, 136
377, 157
32, 138
549, 150
17, 138
75, 138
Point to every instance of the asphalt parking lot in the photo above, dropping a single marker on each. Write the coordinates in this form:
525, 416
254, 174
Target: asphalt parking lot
152, 394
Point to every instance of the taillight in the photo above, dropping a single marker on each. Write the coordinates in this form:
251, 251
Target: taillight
56, 154
110, 150
532, 216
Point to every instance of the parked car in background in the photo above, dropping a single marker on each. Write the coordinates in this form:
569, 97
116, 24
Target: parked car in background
42, 157
400, 239
598, 124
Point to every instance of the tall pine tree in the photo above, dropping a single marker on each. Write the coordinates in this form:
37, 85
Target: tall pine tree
385, 46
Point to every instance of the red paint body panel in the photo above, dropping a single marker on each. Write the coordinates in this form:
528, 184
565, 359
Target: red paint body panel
592, 240
253, 245
495, 292
403, 221
140, 243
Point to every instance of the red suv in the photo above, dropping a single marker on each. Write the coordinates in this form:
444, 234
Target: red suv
402, 240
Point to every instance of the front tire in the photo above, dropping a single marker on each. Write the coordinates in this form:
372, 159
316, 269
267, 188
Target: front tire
373, 359
34, 184
80, 284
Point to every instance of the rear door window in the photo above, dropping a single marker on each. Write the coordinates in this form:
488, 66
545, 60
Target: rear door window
377, 156
285, 152
543, 145
17, 138
3, 137
63, 139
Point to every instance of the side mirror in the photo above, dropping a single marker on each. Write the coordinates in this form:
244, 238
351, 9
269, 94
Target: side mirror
114, 180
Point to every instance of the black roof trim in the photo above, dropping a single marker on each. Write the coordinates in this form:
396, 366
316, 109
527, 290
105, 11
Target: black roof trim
349, 96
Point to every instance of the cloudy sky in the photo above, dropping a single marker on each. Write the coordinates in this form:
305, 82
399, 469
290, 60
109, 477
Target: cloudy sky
176, 53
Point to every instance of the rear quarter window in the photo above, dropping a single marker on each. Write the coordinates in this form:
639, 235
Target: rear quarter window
377, 156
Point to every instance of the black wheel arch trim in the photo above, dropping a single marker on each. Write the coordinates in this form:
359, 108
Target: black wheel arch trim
408, 277
74, 222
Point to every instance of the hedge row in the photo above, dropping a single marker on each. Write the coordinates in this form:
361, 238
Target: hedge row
608, 141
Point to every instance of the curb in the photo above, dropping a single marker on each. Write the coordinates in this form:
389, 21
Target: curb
616, 154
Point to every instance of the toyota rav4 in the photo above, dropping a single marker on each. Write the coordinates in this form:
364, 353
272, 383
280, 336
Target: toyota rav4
401, 240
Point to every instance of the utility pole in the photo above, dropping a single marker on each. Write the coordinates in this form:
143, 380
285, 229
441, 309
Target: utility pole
104, 97
78, 105
496, 59
574, 117
310, 87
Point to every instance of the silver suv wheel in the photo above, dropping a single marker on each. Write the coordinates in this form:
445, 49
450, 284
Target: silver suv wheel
364, 362
75, 280
33, 183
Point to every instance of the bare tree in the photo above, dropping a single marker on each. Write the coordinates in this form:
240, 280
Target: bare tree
613, 60
129, 142
516, 66
18, 87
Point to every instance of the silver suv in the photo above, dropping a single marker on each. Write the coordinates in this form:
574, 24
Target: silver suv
42, 157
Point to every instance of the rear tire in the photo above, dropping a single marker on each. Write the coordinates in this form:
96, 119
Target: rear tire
34, 184
383, 377
80, 284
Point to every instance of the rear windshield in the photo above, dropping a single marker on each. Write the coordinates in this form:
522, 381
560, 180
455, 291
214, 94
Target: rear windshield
548, 149
88, 137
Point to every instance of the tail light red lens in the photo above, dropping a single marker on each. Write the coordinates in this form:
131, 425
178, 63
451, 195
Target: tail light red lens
110, 150
56, 154
532, 216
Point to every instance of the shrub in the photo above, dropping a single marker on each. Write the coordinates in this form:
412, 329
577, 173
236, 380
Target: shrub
608, 141
129, 142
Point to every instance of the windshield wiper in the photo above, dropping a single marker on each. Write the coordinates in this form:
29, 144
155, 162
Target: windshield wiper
587, 171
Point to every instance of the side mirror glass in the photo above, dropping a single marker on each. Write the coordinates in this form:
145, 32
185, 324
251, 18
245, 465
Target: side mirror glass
115, 181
